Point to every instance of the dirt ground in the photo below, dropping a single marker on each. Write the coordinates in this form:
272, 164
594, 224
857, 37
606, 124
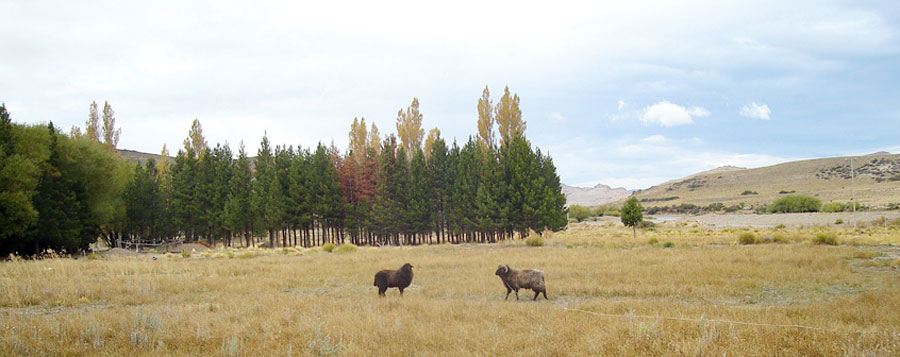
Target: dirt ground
790, 220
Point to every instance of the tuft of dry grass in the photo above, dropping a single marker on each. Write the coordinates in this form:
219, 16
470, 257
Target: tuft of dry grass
609, 295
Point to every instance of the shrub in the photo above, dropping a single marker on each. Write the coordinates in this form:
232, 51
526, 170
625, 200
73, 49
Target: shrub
328, 247
748, 192
795, 203
653, 241
780, 226
825, 239
579, 212
668, 245
185, 254
534, 241
783, 192
747, 238
230, 254
93, 256
778, 238
839, 221
831, 207
345, 248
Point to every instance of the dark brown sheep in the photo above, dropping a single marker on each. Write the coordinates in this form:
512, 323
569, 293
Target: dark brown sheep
514, 280
399, 279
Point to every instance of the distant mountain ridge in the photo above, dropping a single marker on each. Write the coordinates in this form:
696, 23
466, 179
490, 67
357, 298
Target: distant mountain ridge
875, 178
592, 196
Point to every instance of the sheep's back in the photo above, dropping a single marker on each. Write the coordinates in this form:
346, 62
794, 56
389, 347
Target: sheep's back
530, 279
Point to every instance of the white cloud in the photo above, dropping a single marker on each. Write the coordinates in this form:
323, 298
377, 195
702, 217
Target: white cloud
699, 112
621, 105
667, 114
756, 111
655, 139
641, 163
557, 116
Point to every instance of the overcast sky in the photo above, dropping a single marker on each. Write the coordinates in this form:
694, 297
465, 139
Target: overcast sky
624, 93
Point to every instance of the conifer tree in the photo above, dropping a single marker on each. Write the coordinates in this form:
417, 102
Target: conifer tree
238, 215
267, 193
420, 208
524, 184
440, 178
185, 211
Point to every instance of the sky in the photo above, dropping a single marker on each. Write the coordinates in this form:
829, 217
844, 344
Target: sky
624, 93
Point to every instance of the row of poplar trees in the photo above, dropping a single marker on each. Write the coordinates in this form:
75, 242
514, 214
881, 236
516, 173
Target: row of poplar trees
401, 189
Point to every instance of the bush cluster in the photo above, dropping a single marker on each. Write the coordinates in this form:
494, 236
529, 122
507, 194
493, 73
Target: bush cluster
795, 203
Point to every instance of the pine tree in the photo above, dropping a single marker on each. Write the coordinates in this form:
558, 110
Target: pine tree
238, 216
524, 184
490, 195
185, 211
467, 177
420, 208
267, 196
110, 133
440, 178
553, 201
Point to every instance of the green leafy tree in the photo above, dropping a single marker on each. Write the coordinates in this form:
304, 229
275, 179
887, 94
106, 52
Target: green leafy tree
439, 172
409, 128
631, 214
486, 119
19, 177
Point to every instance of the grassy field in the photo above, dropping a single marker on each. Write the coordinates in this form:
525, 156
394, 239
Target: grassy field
693, 291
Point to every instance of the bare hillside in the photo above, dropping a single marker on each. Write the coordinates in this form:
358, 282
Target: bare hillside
592, 196
877, 181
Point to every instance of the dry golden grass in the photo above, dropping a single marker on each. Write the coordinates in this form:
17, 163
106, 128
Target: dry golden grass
300, 302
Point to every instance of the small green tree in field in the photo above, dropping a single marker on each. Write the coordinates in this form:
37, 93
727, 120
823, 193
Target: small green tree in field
631, 214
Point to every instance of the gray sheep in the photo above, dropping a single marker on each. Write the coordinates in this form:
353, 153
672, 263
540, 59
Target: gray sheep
514, 280
394, 279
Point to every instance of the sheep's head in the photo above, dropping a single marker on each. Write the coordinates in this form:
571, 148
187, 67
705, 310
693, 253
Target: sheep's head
407, 268
502, 270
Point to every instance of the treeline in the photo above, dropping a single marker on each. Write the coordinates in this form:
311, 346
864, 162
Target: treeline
402, 189
56, 192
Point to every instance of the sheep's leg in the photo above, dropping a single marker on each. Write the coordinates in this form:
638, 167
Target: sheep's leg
381, 291
508, 290
517, 294
401, 291
545, 295
536, 293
